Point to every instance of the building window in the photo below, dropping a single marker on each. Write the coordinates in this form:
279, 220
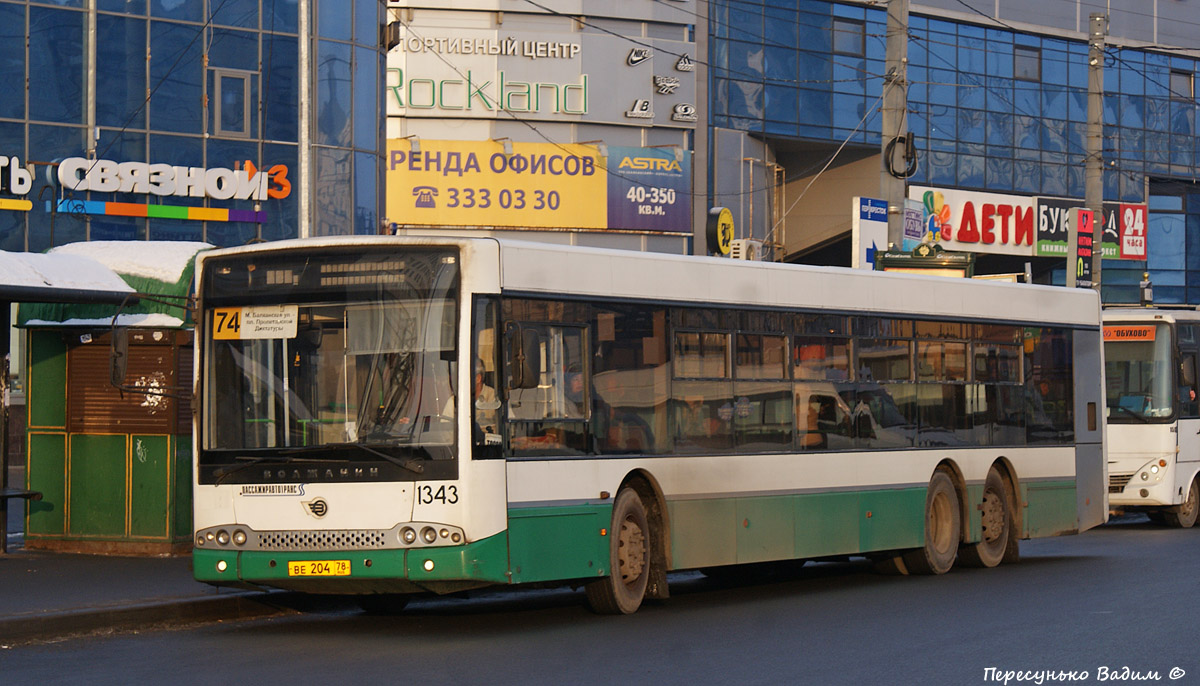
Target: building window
232, 103
849, 37
1183, 85
1027, 63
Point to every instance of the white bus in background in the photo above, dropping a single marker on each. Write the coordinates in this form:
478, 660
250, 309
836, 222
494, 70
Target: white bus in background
1153, 415
387, 416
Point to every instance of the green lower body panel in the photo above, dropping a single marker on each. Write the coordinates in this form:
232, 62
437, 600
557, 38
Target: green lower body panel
549, 543
725, 531
1050, 508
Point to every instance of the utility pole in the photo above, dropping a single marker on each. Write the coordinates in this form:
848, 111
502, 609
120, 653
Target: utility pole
894, 128
305, 183
1094, 169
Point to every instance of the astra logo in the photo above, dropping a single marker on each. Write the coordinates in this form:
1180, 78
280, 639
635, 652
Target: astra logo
650, 164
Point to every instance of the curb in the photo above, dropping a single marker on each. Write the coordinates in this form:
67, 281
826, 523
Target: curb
54, 626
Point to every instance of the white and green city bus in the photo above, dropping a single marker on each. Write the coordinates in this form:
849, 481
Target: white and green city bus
393, 415
1153, 415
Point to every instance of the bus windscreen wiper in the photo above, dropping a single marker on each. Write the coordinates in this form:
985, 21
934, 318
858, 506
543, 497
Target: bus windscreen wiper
405, 463
1131, 413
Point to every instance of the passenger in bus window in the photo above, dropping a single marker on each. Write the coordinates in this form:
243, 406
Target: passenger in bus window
574, 406
486, 403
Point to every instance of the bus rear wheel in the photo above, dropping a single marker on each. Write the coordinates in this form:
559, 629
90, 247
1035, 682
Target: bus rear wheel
622, 591
943, 528
1185, 516
997, 522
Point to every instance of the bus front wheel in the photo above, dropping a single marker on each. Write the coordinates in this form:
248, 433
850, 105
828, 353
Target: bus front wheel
943, 528
997, 522
622, 591
1185, 516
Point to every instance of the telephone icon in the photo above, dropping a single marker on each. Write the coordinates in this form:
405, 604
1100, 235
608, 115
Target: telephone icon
425, 196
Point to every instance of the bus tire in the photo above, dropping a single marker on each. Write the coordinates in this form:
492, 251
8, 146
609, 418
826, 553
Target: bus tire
943, 528
1184, 516
622, 591
996, 525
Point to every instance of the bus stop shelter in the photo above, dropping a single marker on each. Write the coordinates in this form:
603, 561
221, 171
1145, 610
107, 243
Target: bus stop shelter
30, 277
113, 462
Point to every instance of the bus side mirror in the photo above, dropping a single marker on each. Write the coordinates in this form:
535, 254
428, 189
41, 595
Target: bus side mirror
525, 359
118, 363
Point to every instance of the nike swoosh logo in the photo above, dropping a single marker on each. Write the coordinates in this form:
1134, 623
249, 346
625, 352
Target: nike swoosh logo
636, 58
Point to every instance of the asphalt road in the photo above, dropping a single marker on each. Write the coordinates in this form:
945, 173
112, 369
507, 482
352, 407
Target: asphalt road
1119, 597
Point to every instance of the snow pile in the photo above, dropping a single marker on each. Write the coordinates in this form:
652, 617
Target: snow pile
148, 320
33, 270
161, 260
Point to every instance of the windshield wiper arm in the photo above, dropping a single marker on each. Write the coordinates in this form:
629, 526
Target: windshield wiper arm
1131, 413
409, 464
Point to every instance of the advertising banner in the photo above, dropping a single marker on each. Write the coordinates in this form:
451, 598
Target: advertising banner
537, 185
1053, 215
443, 67
1084, 230
914, 228
649, 189
479, 183
1123, 224
1124, 231
971, 221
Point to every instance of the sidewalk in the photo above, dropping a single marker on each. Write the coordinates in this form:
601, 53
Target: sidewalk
45, 596
50, 596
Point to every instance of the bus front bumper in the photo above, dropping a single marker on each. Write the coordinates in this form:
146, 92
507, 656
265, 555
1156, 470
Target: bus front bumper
437, 569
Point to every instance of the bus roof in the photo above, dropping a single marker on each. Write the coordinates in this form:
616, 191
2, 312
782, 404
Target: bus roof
1140, 314
543, 268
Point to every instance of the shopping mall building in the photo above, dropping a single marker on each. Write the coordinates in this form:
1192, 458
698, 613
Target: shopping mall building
619, 124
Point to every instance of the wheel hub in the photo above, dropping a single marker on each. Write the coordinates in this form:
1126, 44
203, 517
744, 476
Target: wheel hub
993, 516
631, 551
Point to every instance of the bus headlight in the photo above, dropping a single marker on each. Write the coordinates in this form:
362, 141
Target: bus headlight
408, 535
428, 534
239, 537
223, 537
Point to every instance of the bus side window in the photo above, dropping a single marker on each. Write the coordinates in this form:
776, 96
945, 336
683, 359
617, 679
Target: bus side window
1188, 405
547, 389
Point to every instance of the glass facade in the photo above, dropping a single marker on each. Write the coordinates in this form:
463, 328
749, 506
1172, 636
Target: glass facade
992, 108
191, 84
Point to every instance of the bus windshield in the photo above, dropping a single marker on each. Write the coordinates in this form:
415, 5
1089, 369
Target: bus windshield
1139, 372
357, 354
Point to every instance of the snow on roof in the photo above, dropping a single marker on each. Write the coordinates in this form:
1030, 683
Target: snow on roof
161, 260
35, 270
150, 320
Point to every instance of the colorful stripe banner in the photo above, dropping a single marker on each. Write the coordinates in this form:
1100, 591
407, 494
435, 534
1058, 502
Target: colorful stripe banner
125, 209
